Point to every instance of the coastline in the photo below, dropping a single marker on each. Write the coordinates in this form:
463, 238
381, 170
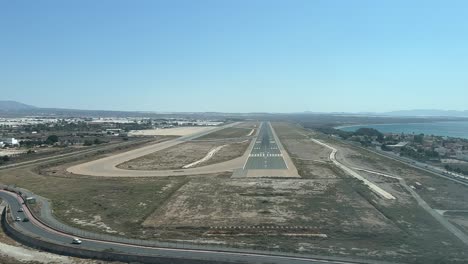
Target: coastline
459, 132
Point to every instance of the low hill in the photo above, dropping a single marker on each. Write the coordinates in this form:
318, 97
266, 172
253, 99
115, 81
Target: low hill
429, 112
14, 106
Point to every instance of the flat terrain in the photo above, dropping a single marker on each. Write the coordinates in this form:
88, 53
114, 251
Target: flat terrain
177, 131
277, 202
230, 132
180, 155
459, 219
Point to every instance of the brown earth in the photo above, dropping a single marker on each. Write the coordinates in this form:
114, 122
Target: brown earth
246, 202
230, 132
183, 154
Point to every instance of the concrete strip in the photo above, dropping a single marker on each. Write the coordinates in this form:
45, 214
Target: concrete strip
379, 173
444, 222
208, 156
376, 189
274, 162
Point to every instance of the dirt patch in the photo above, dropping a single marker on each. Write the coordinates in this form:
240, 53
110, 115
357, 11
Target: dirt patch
334, 216
288, 130
178, 131
228, 152
460, 220
305, 149
245, 202
230, 132
248, 124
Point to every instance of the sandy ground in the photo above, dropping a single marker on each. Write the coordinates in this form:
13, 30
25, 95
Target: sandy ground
248, 124
177, 131
230, 132
288, 202
207, 157
227, 152
8, 152
28, 255
306, 150
460, 220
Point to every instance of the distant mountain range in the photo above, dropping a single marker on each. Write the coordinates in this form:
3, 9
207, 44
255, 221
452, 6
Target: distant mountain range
13, 108
428, 112
8, 106
403, 113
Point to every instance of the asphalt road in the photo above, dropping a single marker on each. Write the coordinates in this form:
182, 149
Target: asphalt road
35, 228
265, 153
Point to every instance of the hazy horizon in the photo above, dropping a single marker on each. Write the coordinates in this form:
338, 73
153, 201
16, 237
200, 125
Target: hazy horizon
238, 57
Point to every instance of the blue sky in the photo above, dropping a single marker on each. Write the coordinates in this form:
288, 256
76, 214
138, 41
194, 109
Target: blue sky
235, 56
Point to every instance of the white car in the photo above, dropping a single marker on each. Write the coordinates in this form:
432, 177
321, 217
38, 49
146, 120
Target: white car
76, 241
20, 209
18, 219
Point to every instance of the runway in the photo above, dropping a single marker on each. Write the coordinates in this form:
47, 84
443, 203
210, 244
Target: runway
265, 153
267, 157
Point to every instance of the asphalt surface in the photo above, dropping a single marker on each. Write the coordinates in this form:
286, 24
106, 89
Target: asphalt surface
265, 153
37, 229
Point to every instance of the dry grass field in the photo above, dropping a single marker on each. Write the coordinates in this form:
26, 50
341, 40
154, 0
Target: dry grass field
277, 202
230, 132
183, 154
177, 131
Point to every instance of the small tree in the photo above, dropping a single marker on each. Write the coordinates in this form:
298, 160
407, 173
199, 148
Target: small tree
52, 139
419, 138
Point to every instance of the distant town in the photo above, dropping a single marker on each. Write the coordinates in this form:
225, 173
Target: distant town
448, 153
22, 137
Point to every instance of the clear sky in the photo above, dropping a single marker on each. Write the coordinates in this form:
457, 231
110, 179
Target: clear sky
235, 55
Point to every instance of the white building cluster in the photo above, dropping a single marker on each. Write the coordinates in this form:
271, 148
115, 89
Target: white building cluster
9, 142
